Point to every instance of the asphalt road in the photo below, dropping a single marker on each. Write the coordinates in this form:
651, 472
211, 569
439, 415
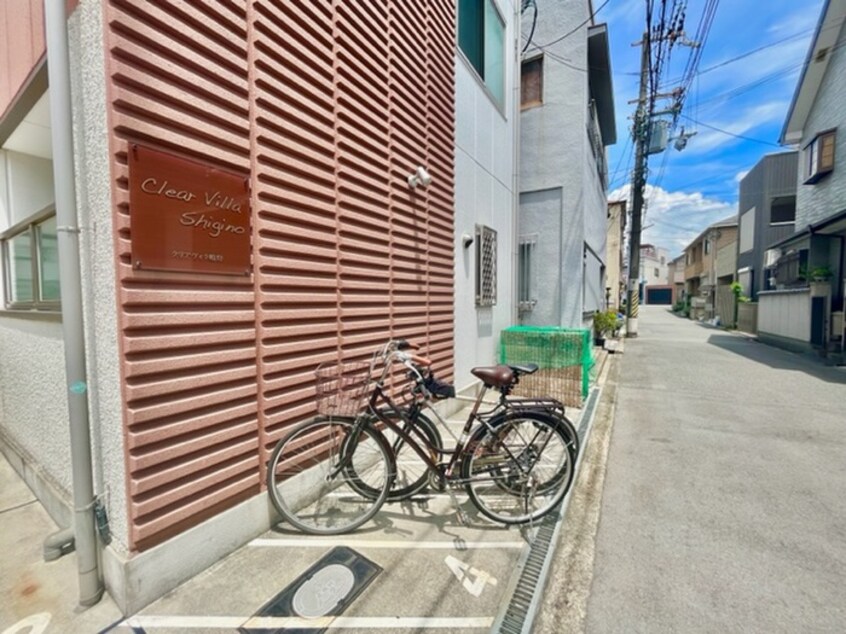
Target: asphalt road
723, 498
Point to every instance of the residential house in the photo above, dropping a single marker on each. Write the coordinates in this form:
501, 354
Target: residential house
567, 120
710, 263
767, 204
675, 277
654, 282
260, 187
805, 312
615, 254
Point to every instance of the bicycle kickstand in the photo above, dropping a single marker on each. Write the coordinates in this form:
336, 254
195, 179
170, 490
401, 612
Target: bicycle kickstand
459, 512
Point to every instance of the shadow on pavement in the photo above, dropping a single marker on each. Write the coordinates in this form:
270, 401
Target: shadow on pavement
778, 358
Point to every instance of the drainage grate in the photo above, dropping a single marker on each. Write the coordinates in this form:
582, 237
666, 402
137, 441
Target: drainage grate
520, 613
524, 594
325, 589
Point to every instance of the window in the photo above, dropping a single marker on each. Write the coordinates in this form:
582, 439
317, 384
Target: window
783, 210
526, 299
481, 37
531, 83
656, 273
819, 157
707, 247
485, 266
31, 263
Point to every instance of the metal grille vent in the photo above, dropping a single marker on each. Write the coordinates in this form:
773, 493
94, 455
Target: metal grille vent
485, 266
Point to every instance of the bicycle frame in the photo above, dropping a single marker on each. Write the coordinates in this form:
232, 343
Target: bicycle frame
407, 431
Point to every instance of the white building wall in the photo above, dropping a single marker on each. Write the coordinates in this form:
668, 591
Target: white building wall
652, 262
97, 245
595, 212
555, 154
33, 407
34, 419
484, 194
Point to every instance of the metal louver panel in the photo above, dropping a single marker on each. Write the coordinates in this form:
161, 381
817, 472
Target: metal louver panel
326, 107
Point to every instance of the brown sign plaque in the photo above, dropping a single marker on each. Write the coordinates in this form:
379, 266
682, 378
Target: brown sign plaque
186, 216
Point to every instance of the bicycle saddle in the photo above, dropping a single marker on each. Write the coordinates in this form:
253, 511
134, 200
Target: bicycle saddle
529, 368
497, 376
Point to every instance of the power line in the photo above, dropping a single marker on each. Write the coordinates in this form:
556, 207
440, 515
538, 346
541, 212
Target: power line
726, 62
526, 4
574, 29
739, 136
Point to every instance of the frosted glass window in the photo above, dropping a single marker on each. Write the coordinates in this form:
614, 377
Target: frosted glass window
494, 53
31, 264
48, 260
481, 37
20, 268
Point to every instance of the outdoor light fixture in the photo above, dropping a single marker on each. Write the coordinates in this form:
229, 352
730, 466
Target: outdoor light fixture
466, 240
420, 177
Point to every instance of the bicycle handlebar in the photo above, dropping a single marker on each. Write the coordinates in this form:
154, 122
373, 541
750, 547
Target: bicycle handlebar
394, 350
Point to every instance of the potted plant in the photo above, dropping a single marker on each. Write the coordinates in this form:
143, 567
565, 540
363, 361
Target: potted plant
604, 324
821, 274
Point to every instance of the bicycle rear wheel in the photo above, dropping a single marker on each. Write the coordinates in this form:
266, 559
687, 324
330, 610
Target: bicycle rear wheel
521, 468
309, 481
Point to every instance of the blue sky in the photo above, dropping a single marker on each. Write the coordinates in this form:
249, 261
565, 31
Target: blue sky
688, 190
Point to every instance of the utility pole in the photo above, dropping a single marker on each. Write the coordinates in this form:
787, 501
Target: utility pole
641, 134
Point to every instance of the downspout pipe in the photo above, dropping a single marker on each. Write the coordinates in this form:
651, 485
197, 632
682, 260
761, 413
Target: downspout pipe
58, 73
515, 181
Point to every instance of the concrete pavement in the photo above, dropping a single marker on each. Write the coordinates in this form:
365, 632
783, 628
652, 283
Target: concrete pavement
724, 501
434, 573
38, 596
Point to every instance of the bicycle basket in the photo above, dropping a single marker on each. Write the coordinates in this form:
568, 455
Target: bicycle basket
342, 388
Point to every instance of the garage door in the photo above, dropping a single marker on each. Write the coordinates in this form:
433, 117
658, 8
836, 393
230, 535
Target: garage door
659, 296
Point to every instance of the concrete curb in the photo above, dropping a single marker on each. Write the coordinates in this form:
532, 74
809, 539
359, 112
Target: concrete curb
584, 426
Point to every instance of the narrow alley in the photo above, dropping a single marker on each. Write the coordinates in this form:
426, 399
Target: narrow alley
722, 508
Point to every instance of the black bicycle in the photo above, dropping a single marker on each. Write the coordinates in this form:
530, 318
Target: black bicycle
331, 475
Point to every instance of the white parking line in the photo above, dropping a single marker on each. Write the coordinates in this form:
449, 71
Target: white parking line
379, 543
329, 622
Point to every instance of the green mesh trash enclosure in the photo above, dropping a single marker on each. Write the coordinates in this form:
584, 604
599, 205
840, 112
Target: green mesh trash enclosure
562, 354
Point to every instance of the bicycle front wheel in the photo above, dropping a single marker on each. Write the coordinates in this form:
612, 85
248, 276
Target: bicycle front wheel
412, 472
520, 469
316, 474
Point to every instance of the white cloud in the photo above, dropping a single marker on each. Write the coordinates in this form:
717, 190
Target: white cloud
622, 14
708, 140
674, 219
740, 175
797, 22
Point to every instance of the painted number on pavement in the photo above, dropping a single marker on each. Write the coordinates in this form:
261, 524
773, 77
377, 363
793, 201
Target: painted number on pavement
33, 624
473, 579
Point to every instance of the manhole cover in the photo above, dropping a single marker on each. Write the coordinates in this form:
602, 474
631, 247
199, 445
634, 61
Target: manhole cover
326, 589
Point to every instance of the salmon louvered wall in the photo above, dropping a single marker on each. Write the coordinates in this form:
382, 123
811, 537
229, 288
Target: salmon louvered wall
326, 107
